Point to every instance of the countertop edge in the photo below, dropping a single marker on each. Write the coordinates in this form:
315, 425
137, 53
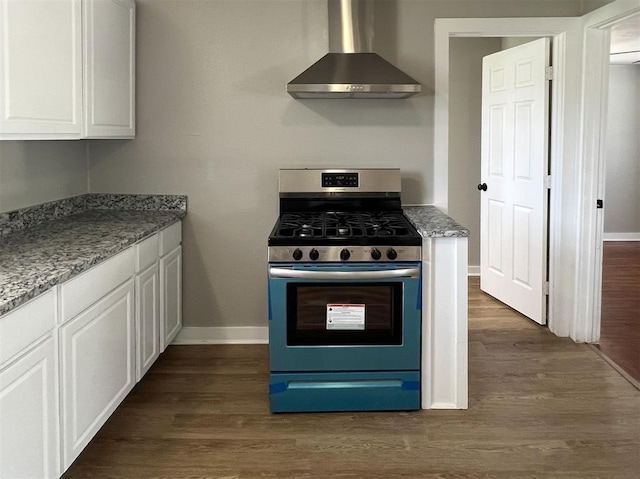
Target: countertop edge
46, 283
433, 223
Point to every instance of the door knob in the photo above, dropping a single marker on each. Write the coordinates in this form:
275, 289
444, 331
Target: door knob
482, 186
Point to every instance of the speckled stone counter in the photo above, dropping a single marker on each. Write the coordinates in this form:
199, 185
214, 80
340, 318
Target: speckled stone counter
433, 223
36, 258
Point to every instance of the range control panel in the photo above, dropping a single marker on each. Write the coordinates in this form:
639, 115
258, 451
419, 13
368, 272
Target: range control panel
341, 254
340, 180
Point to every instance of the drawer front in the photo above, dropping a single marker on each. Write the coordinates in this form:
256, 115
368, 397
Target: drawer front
170, 237
345, 391
147, 253
26, 324
81, 292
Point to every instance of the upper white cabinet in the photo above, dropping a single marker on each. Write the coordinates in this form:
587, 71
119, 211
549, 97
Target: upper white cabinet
68, 69
109, 72
41, 62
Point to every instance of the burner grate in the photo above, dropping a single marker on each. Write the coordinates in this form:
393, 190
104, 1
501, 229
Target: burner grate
342, 225
301, 225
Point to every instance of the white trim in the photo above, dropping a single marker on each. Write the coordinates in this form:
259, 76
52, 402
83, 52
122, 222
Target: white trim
621, 237
473, 271
223, 335
567, 57
444, 324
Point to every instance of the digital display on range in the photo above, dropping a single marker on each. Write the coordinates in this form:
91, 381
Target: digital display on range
340, 180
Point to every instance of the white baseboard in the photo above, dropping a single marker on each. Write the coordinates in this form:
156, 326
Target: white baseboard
220, 335
621, 237
474, 271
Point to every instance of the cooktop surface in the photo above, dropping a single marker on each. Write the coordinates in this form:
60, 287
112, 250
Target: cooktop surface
344, 228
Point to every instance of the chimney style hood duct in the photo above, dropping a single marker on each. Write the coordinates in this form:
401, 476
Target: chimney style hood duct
351, 69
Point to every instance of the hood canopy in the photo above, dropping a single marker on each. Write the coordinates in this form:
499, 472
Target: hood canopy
352, 69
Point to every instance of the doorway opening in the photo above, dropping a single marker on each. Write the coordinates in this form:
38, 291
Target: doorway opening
566, 37
498, 98
619, 339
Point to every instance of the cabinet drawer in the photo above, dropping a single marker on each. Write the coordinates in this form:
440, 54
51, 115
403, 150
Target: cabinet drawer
146, 253
170, 237
24, 325
81, 292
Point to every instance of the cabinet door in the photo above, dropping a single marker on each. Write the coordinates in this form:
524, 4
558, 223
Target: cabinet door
97, 367
171, 294
41, 67
109, 33
147, 319
29, 428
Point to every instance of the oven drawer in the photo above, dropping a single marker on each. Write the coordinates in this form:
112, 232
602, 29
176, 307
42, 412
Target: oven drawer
348, 391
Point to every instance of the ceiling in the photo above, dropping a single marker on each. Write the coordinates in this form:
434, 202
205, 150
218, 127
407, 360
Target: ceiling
625, 42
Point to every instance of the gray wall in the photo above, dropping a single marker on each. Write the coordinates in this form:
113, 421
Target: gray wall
214, 122
622, 189
465, 120
34, 172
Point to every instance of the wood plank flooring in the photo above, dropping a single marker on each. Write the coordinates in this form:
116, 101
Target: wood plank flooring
620, 323
540, 407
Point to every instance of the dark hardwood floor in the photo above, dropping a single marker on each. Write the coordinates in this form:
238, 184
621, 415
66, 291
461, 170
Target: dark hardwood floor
620, 323
540, 407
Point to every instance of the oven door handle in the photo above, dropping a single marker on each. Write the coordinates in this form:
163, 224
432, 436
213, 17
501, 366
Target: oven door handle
412, 272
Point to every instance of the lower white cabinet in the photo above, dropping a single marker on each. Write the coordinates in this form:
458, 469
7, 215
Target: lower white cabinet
70, 356
97, 366
147, 319
171, 293
29, 428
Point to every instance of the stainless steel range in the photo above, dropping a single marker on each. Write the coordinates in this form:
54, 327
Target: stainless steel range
344, 294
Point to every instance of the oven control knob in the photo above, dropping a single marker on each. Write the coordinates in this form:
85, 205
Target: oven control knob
391, 253
297, 255
345, 255
313, 254
376, 254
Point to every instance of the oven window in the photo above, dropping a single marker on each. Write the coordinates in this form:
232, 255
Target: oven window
344, 313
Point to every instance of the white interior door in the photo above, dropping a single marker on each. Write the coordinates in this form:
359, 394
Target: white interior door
513, 233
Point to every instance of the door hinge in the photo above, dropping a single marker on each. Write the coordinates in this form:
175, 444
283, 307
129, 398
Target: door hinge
599, 204
545, 288
547, 182
548, 73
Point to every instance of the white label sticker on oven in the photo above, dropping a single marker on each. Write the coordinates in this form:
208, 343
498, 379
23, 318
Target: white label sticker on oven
345, 316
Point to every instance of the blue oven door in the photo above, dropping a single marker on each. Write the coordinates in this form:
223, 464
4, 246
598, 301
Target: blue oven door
344, 317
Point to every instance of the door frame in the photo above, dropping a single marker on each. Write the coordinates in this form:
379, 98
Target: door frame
597, 25
566, 54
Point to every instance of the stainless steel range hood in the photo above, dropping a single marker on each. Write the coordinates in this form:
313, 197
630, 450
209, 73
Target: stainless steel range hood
351, 69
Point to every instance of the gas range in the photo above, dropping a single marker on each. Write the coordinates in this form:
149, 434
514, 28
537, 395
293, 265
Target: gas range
344, 294
342, 215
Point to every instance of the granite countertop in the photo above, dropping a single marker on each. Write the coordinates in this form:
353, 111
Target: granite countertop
433, 223
36, 258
